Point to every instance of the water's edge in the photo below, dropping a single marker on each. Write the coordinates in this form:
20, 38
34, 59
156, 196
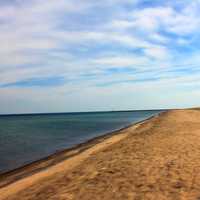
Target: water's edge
31, 168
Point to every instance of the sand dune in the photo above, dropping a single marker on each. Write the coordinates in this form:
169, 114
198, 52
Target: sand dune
158, 159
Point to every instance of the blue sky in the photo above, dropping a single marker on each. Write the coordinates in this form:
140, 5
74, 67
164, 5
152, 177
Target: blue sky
66, 55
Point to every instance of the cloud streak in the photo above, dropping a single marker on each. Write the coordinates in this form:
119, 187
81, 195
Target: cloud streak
74, 46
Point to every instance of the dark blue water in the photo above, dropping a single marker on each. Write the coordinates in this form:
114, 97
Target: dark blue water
26, 138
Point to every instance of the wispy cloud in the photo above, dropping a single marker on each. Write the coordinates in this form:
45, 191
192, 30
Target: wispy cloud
72, 47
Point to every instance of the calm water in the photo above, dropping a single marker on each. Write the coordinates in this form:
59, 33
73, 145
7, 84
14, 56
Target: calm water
26, 138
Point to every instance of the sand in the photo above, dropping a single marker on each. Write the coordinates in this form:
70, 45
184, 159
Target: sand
157, 159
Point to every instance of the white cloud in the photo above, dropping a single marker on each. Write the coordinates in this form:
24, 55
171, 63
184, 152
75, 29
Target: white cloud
157, 52
75, 38
121, 61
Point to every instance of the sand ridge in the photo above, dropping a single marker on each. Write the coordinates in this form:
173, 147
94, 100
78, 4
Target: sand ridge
158, 159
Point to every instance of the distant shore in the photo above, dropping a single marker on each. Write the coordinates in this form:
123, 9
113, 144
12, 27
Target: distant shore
157, 158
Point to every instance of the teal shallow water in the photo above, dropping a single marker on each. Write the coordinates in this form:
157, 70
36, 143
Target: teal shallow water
26, 138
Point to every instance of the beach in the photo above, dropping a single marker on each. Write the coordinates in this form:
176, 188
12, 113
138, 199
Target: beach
155, 159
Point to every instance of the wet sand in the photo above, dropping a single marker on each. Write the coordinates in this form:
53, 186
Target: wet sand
156, 159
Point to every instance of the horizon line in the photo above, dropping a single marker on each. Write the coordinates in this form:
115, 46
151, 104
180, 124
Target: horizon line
80, 112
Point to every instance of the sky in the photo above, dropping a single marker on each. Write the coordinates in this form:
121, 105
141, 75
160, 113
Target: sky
87, 55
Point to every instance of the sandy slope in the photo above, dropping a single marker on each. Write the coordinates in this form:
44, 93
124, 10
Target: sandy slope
159, 159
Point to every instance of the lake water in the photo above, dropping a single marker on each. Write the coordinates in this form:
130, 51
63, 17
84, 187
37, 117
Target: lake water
26, 138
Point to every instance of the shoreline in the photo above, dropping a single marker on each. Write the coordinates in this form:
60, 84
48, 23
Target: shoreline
157, 158
11, 176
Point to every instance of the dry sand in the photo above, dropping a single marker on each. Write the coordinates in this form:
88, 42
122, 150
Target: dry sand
158, 159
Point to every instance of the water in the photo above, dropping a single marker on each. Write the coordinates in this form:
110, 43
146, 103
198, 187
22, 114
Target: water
26, 138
